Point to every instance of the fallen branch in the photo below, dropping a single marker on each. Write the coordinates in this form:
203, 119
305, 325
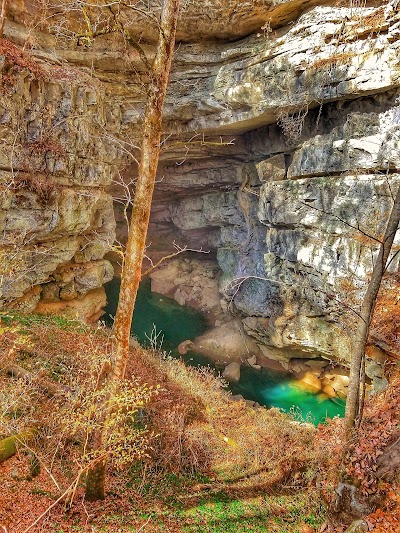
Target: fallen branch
179, 250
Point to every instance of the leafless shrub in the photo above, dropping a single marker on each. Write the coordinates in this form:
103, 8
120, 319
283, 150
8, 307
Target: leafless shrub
291, 121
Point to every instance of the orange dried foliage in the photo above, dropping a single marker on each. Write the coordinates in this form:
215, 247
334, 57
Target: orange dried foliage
378, 431
332, 61
20, 59
386, 320
349, 290
45, 145
41, 185
387, 519
369, 24
330, 441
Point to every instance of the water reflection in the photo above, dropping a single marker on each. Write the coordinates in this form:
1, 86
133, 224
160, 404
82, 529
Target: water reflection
177, 323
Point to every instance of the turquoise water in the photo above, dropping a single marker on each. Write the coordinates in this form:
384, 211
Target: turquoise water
176, 323
268, 387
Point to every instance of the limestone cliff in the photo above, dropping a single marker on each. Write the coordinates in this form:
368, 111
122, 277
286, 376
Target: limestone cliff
281, 154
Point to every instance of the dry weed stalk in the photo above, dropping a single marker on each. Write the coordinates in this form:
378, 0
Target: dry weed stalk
291, 120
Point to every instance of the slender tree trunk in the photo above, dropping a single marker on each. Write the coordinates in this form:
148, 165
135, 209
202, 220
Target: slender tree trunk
131, 274
3, 15
366, 313
96, 474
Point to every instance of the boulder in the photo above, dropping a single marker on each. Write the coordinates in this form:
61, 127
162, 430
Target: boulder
252, 360
309, 382
329, 391
226, 343
87, 308
338, 383
237, 397
375, 372
376, 353
189, 282
184, 347
350, 503
232, 372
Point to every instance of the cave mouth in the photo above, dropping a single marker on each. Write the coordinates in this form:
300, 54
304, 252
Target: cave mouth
162, 323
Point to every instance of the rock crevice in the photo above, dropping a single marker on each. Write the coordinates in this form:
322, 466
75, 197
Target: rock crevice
280, 157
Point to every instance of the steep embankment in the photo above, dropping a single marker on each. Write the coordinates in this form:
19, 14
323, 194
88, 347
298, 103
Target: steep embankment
179, 443
184, 455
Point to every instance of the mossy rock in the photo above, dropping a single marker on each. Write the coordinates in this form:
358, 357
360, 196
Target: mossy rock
9, 445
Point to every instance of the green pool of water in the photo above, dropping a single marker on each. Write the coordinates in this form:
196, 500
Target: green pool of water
174, 322
270, 388
177, 323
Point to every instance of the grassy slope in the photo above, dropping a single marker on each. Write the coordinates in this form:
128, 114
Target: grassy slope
212, 465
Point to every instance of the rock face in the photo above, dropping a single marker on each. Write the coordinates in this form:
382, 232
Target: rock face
191, 282
56, 217
281, 158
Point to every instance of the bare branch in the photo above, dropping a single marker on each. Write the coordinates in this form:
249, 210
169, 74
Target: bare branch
3, 15
178, 250
357, 228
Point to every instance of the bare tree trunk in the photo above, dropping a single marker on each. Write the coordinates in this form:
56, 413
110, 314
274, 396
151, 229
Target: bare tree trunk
96, 481
131, 274
96, 474
3, 15
366, 313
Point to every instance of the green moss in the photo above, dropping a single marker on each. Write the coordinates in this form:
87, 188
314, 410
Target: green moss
224, 514
8, 448
12, 317
9, 445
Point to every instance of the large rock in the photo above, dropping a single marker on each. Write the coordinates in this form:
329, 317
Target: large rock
87, 308
281, 144
226, 343
190, 282
232, 372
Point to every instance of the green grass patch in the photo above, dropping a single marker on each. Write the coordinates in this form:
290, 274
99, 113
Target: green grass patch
12, 317
281, 514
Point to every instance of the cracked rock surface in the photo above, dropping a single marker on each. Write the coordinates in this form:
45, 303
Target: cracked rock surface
280, 157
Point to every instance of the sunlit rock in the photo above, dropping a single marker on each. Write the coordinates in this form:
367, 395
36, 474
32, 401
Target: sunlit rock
280, 157
232, 373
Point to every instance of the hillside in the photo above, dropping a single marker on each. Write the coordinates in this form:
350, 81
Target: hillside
208, 463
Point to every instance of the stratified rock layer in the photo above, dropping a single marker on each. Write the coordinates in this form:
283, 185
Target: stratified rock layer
281, 157
56, 217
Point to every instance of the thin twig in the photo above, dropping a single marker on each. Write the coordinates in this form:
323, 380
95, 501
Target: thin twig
63, 495
179, 250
